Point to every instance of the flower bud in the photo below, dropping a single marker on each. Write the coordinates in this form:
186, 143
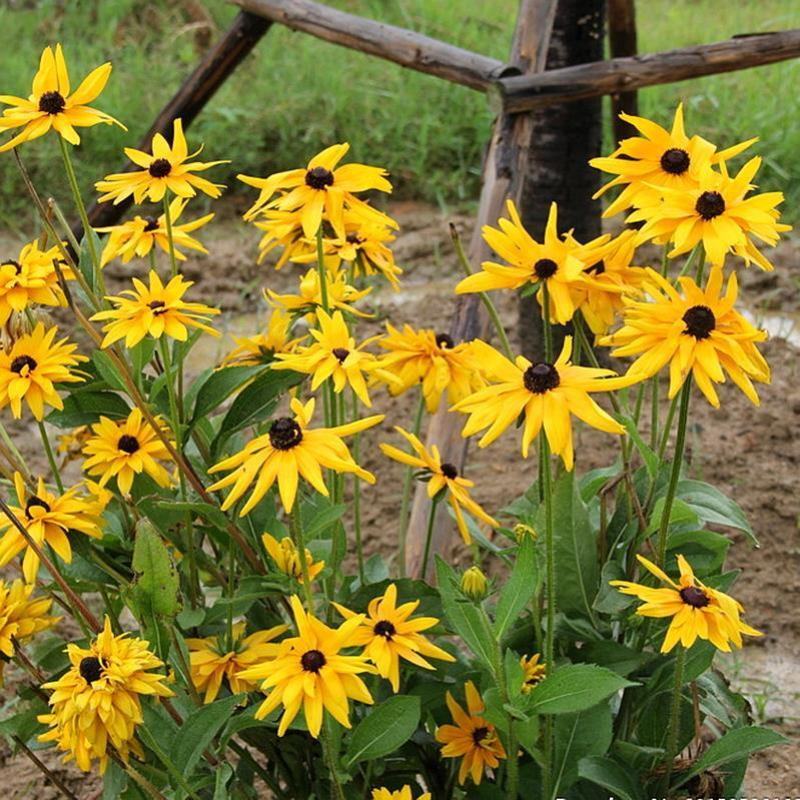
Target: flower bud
474, 584
521, 530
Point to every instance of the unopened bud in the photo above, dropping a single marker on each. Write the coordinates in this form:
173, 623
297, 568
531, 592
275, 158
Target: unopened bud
474, 584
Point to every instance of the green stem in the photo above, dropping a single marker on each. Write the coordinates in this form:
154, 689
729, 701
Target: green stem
673, 731
168, 221
337, 792
322, 272
654, 416
296, 528
546, 326
172, 769
50, 456
405, 500
429, 536
357, 498
21, 465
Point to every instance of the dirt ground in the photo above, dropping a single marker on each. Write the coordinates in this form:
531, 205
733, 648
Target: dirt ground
750, 453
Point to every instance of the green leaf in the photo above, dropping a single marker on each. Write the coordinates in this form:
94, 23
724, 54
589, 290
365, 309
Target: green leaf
519, 588
574, 687
107, 370
610, 775
648, 455
383, 731
576, 737
219, 386
86, 408
614, 656
711, 506
224, 772
85, 264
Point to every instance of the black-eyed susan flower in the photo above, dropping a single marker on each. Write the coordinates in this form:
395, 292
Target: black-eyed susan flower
697, 610
281, 229
695, 331
22, 616
311, 673
320, 190
545, 395
97, 701
390, 634
288, 451
718, 214
166, 168
126, 448
398, 794
50, 104
472, 738
341, 296
474, 584
432, 361
155, 310
30, 370
440, 477
47, 517
533, 672
210, 661
263, 347
558, 262
70, 444
285, 557
658, 159
138, 236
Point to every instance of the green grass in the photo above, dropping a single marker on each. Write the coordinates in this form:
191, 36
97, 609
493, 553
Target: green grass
296, 94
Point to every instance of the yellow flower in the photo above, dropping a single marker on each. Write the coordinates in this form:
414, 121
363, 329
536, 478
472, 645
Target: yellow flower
286, 558
545, 394
154, 310
281, 229
657, 160
210, 662
474, 585
47, 518
697, 611
291, 449
125, 449
167, 168
695, 331
96, 703
21, 617
319, 189
50, 104
71, 444
309, 671
31, 278
31, 368
397, 794
558, 262
441, 477
717, 214
138, 236
341, 296
262, 348
472, 738
533, 672
388, 633
433, 360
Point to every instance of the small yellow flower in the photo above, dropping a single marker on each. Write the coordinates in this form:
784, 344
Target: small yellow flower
263, 347
50, 104
286, 558
308, 300
398, 794
389, 633
71, 444
154, 310
533, 672
282, 229
34, 364
474, 584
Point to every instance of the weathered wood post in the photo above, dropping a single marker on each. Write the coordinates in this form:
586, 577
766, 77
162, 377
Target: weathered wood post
622, 42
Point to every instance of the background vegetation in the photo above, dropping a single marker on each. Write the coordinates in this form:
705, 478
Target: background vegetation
297, 94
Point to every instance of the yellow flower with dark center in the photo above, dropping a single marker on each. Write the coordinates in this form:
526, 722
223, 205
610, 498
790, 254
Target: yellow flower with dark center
441, 477
262, 348
432, 361
47, 517
656, 160
558, 262
22, 616
286, 558
544, 394
30, 370
695, 331
289, 450
97, 702
138, 236
533, 672
320, 190
210, 662
697, 610
166, 168
389, 633
50, 104
282, 229
397, 794
154, 310
310, 672
31, 278
718, 214
124, 449
472, 738
341, 296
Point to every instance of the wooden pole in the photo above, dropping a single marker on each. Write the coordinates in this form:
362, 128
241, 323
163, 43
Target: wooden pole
503, 170
622, 43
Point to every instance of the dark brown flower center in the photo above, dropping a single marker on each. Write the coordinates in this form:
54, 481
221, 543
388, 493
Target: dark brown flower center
20, 362
479, 734
541, 378
354, 238
158, 307
151, 223
545, 268
312, 661
160, 168
128, 444
700, 321
319, 178
675, 161
449, 471
444, 341
52, 103
340, 353
91, 669
710, 205
694, 597
597, 269
32, 502
285, 433
11, 263
384, 628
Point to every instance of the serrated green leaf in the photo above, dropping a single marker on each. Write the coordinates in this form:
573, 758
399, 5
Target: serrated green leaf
518, 589
390, 725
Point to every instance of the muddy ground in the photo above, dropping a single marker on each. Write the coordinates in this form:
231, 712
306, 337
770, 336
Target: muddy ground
750, 453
